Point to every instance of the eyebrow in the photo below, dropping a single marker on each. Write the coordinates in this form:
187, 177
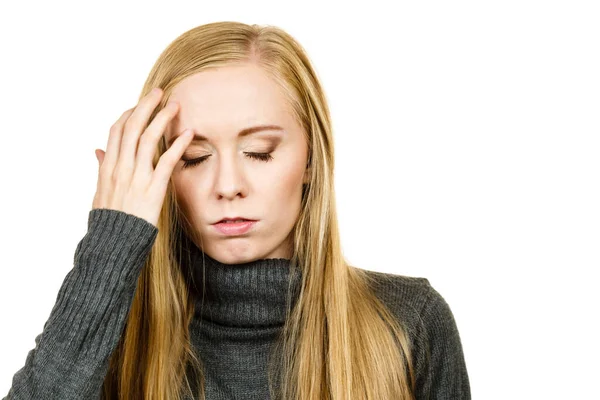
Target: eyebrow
242, 133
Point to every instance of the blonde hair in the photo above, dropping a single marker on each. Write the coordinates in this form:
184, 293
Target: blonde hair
339, 342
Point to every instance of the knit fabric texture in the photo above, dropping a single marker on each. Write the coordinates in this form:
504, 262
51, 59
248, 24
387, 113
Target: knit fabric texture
239, 312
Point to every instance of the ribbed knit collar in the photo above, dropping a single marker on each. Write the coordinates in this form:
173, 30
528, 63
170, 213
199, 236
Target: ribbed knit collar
251, 294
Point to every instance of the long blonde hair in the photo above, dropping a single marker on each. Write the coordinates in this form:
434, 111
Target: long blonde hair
339, 342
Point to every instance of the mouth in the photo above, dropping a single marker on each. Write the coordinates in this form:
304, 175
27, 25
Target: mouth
234, 220
233, 227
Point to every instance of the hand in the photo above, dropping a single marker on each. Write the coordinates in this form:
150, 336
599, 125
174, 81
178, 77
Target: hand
126, 179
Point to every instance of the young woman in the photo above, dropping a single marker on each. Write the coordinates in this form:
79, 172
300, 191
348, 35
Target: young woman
212, 266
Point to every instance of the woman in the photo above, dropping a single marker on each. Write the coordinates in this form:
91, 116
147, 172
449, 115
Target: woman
171, 298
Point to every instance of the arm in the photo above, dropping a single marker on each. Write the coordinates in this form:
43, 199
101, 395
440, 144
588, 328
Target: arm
441, 367
71, 355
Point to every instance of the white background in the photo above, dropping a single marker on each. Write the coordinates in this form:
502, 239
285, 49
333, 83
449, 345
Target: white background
467, 151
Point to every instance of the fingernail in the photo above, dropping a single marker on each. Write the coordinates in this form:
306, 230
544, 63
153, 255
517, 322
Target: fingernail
155, 91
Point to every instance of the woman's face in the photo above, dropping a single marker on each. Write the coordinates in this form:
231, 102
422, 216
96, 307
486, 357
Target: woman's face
218, 104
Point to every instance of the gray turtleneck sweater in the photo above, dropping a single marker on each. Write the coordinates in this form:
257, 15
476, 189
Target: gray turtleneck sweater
241, 315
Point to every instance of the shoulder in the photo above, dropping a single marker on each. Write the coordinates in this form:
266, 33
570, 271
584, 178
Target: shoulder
417, 304
437, 350
408, 297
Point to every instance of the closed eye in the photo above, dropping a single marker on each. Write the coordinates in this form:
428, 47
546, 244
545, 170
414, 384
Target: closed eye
257, 156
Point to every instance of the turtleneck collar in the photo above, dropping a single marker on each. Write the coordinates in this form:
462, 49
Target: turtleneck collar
251, 294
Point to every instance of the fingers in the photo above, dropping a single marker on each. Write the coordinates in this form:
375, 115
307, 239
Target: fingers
114, 141
167, 162
133, 128
126, 175
152, 135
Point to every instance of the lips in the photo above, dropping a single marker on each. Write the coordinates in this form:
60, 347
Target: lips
234, 228
230, 220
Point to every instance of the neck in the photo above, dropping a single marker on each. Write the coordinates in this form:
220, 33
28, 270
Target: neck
249, 294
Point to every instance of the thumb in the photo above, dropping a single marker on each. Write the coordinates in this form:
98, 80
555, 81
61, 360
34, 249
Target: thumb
99, 156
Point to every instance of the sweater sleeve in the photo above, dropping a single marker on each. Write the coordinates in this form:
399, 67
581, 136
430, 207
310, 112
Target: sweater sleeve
441, 368
71, 355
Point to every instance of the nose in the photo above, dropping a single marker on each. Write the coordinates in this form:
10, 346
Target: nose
230, 180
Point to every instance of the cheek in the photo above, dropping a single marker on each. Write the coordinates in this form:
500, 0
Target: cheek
283, 205
181, 190
288, 175
287, 181
186, 194
286, 195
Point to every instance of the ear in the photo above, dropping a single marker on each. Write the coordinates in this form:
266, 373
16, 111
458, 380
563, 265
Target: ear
307, 173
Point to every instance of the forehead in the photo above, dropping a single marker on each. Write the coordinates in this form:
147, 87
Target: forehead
228, 99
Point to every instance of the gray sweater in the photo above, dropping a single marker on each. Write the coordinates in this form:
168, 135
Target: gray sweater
242, 312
